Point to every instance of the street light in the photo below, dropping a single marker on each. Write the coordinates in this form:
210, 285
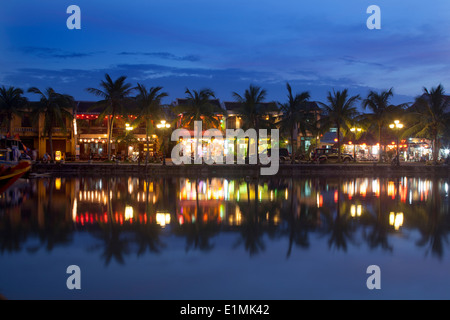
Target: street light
397, 126
354, 130
163, 125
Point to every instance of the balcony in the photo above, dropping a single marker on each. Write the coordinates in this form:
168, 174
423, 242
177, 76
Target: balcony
25, 129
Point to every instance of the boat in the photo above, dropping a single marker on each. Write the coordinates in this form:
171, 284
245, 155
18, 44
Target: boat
14, 164
10, 174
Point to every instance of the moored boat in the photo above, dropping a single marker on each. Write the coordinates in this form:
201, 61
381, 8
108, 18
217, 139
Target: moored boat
13, 164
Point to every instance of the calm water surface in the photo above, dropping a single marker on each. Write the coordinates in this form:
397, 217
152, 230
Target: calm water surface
216, 238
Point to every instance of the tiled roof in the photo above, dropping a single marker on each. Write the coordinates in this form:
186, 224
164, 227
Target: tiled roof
234, 106
184, 101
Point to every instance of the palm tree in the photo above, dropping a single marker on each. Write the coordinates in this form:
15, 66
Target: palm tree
339, 112
114, 94
55, 108
252, 109
198, 107
11, 104
294, 115
382, 112
316, 129
149, 109
430, 117
378, 103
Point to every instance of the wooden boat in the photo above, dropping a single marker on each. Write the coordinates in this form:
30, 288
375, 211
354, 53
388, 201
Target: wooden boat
11, 173
14, 163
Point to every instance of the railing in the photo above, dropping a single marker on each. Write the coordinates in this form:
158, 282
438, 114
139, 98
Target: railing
95, 130
25, 129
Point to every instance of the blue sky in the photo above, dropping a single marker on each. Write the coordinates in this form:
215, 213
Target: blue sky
226, 45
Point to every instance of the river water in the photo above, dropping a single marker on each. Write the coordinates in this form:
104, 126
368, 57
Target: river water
217, 238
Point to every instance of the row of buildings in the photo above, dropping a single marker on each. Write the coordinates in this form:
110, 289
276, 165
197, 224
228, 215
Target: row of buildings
86, 136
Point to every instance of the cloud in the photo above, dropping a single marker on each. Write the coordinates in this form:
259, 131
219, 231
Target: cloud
174, 80
51, 53
352, 60
163, 55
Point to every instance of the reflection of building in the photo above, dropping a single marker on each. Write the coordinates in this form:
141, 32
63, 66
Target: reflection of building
221, 200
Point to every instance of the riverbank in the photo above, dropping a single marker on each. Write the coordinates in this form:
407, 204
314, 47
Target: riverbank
285, 170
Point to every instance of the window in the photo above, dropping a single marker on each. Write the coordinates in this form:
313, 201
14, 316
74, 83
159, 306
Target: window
26, 121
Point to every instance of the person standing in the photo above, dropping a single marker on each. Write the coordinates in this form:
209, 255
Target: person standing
34, 155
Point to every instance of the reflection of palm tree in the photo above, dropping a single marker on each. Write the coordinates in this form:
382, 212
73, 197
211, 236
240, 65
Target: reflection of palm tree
11, 236
251, 231
434, 229
378, 236
298, 225
199, 233
340, 228
114, 245
147, 236
56, 229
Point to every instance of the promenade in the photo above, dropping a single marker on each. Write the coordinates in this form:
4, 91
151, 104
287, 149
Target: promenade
236, 170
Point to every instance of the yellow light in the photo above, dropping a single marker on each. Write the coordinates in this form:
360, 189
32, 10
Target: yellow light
353, 210
128, 212
75, 126
58, 155
398, 220
391, 126
162, 219
58, 183
74, 210
391, 218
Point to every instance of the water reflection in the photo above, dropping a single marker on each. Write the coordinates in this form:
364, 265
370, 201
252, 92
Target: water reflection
135, 216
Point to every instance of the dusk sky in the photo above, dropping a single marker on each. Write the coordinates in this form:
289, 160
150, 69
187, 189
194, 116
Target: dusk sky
226, 45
